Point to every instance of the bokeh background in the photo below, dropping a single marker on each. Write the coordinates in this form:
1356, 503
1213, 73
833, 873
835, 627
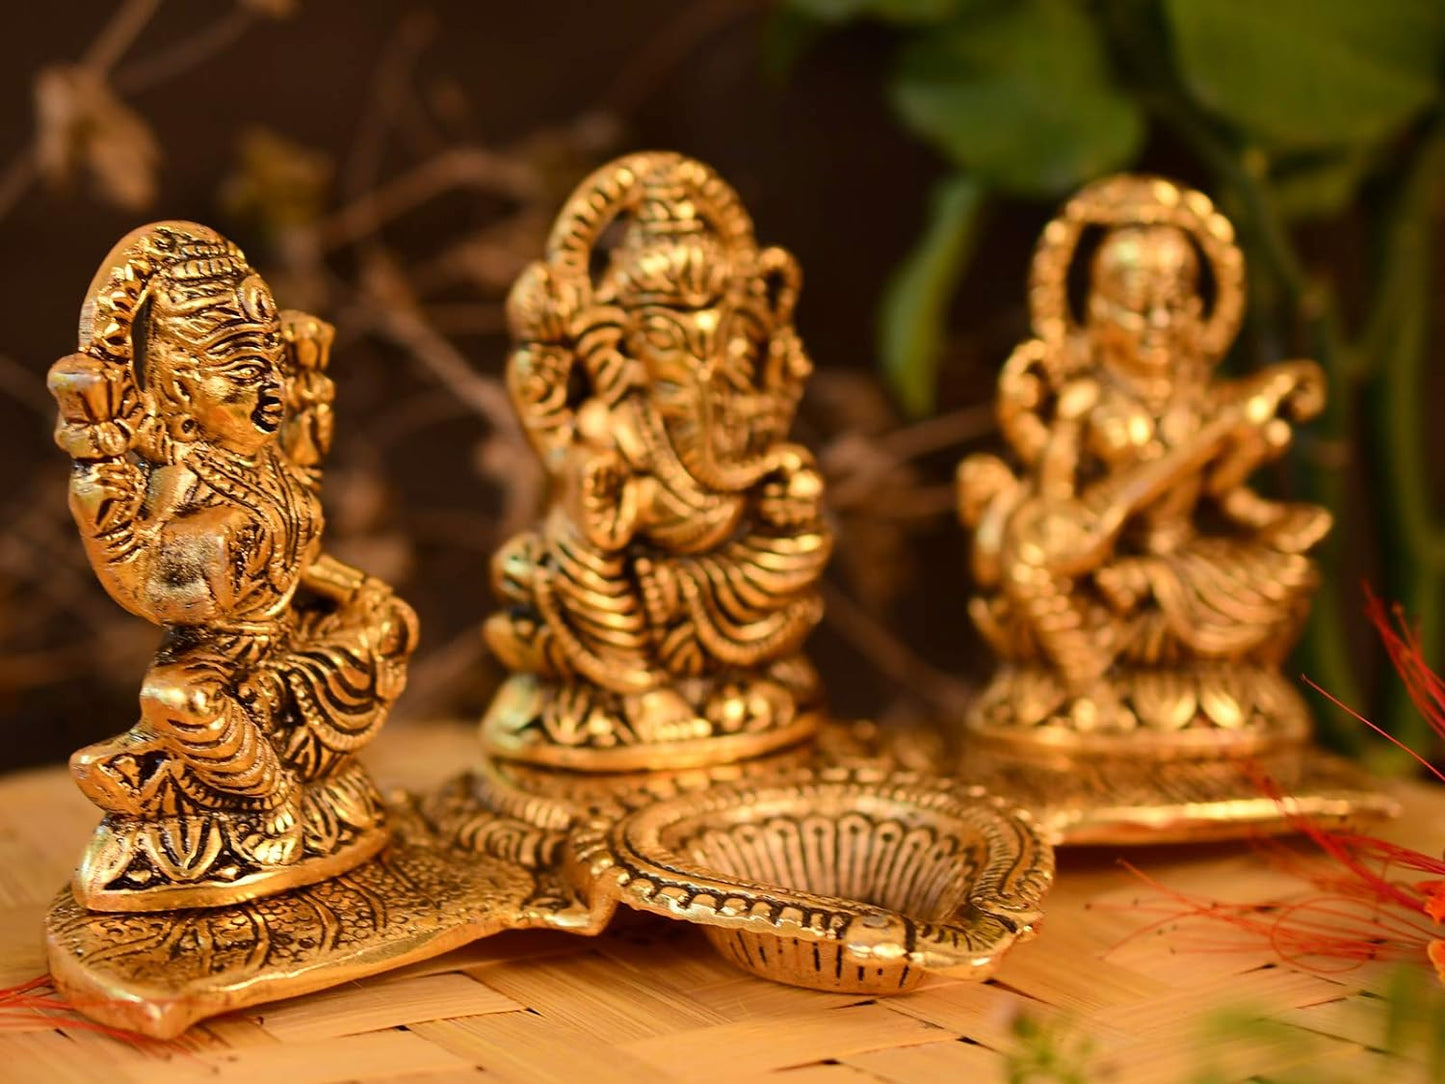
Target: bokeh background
390, 166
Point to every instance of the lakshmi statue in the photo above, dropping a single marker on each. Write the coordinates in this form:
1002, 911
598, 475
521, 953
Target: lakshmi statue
655, 617
1137, 591
197, 416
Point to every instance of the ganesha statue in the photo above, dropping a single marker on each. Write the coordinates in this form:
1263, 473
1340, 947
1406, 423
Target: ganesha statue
655, 617
197, 416
1138, 593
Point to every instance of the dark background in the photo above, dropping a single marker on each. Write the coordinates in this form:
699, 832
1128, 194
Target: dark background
378, 90
391, 166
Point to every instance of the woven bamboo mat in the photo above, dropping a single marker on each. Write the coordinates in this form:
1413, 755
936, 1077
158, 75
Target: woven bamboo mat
650, 1001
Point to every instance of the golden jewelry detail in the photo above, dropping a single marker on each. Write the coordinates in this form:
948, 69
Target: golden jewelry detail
1139, 595
655, 617
197, 416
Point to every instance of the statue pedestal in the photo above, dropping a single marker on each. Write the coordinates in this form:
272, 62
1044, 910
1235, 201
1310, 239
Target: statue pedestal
1086, 798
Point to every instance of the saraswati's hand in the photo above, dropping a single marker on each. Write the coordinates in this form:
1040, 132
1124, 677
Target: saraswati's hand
1293, 388
100, 406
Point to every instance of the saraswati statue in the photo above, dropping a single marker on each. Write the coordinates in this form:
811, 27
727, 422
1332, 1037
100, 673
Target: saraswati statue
197, 416
1139, 593
655, 617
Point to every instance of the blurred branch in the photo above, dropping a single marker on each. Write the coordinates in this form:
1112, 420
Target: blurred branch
104, 51
436, 676
860, 467
457, 528
671, 47
467, 318
940, 433
917, 503
17, 178
457, 167
413, 414
187, 54
892, 657
388, 310
389, 91
118, 35
103, 54
38, 529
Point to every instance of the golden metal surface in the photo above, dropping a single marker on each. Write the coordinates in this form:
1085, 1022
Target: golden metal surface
1092, 798
823, 866
835, 878
197, 416
157, 973
852, 880
655, 617
1139, 595
656, 743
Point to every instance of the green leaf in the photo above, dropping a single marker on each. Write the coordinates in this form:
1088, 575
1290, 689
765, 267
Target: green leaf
794, 26
1310, 73
918, 11
1319, 186
914, 314
893, 11
1021, 95
788, 33
831, 11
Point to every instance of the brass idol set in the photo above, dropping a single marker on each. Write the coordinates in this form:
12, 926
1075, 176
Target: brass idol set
662, 740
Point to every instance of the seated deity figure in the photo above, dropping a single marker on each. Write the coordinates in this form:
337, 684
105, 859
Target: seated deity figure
655, 617
1134, 586
197, 416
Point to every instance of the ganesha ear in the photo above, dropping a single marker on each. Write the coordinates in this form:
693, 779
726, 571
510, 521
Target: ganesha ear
782, 279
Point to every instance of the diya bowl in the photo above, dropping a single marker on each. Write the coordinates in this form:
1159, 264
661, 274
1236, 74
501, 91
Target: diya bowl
843, 879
